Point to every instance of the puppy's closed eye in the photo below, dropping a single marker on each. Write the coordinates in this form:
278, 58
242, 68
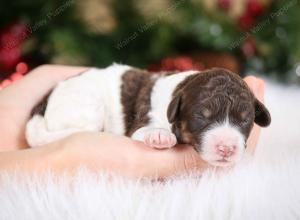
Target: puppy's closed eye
242, 112
245, 116
204, 114
207, 113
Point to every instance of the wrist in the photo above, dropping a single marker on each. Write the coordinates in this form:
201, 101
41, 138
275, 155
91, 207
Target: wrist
62, 157
29, 161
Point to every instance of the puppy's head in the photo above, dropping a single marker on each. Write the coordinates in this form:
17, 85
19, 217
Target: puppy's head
215, 111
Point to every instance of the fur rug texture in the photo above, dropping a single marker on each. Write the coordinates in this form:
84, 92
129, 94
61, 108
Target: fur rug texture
267, 187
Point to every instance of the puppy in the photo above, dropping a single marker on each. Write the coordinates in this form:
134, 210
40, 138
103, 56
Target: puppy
214, 110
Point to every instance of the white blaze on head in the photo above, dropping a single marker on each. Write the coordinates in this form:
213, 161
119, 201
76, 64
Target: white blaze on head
223, 144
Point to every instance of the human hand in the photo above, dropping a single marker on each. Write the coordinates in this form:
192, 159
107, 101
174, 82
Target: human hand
257, 86
96, 151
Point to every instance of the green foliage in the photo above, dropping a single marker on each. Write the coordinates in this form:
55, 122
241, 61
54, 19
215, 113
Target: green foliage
139, 41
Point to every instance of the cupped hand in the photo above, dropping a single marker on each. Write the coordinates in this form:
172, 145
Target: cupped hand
124, 156
96, 151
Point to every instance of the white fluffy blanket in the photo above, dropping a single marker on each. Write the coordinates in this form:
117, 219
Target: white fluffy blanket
266, 188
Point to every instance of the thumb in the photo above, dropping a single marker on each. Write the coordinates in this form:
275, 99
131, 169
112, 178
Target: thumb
182, 159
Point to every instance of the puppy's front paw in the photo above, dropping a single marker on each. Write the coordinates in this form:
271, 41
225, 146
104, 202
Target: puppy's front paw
159, 138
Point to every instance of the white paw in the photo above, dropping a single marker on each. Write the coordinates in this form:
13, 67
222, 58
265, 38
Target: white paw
159, 138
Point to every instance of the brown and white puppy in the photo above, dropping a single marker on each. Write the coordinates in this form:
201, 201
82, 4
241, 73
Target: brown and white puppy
213, 110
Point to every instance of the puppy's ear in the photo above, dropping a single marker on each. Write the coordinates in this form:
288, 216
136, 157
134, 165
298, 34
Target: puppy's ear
262, 115
173, 108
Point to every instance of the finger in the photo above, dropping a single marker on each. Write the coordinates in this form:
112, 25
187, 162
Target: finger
257, 86
178, 160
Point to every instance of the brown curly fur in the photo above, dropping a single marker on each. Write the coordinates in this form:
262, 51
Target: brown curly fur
208, 98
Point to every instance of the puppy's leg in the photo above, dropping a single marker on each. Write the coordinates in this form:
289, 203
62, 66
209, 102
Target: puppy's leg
37, 133
155, 137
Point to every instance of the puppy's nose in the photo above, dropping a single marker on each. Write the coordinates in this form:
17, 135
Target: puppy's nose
225, 151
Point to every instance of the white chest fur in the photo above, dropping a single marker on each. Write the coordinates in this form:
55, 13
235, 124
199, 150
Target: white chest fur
161, 96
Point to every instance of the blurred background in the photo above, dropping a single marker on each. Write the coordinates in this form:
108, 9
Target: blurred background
246, 36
